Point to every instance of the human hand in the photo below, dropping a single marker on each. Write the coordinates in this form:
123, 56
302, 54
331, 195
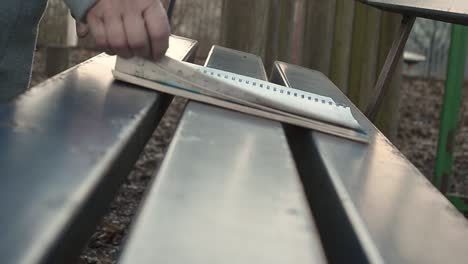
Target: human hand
128, 28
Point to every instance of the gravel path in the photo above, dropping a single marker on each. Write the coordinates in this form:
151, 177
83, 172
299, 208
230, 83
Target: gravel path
417, 138
419, 129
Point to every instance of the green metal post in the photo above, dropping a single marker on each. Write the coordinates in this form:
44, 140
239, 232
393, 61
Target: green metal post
450, 108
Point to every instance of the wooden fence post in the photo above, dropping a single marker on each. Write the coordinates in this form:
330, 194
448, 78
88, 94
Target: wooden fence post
364, 51
342, 40
245, 25
318, 36
388, 116
280, 32
57, 35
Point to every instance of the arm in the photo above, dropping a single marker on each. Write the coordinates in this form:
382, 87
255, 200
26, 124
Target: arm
124, 27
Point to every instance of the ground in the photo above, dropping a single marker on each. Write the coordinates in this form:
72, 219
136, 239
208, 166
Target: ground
419, 129
417, 139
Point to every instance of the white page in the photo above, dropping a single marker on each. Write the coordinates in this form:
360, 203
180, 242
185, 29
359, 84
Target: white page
240, 89
288, 99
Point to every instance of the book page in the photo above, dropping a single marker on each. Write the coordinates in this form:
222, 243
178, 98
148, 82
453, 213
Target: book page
240, 89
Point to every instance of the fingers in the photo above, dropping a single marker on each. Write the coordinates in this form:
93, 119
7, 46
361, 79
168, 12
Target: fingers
158, 30
116, 36
98, 31
82, 30
137, 37
129, 28
110, 36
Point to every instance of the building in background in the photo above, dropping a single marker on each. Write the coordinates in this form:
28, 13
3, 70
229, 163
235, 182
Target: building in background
430, 39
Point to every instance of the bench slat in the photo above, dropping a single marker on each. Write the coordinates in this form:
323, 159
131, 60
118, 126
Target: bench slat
391, 208
227, 191
65, 147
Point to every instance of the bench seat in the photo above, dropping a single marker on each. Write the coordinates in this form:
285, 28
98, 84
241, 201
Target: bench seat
228, 190
65, 147
375, 197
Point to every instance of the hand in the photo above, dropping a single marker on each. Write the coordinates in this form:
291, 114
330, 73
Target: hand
128, 28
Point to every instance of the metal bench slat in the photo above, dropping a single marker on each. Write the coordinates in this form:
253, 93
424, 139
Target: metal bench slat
394, 211
65, 147
227, 192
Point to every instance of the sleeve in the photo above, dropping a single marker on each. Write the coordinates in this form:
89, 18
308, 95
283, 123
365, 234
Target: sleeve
79, 8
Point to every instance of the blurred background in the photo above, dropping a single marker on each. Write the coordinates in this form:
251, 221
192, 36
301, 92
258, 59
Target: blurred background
343, 39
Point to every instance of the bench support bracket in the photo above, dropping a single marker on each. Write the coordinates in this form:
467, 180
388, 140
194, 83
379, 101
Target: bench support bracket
381, 87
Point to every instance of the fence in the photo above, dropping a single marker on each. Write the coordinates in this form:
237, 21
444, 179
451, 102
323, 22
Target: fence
57, 26
200, 20
432, 39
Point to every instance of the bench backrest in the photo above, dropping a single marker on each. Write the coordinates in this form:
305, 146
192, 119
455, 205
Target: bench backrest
453, 11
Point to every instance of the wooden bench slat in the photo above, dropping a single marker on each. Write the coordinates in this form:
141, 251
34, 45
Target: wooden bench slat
227, 191
393, 210
453, 11
65, 147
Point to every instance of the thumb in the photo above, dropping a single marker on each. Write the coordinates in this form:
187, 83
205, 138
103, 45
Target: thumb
82, 30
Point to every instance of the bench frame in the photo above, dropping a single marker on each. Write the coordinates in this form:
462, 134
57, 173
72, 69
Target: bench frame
453, 89
396, 51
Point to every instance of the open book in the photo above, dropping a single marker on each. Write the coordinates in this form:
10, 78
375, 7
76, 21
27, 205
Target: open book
243, 94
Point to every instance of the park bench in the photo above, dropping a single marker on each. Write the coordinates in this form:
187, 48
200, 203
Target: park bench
369, 203
232, 188
239, 195
455, 11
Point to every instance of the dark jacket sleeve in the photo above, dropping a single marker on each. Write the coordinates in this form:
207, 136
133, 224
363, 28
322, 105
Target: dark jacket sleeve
79, 8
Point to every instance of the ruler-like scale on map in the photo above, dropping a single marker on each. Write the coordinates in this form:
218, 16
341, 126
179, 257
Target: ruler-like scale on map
243, 94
